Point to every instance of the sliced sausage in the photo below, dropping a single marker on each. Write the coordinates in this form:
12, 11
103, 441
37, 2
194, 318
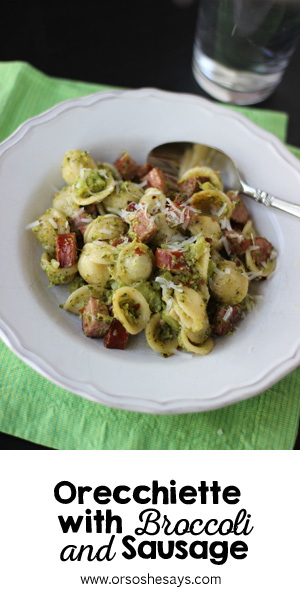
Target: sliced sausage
225, 318
116, 336
238, 244
189, 186
170, 260
142, 170
264, 251
126, 166
156, 179
143, 226
95, 318
66, 250
240, 212
181, 213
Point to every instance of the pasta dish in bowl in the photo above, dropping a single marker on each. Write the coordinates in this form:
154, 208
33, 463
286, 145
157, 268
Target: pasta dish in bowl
144, 253
95, 258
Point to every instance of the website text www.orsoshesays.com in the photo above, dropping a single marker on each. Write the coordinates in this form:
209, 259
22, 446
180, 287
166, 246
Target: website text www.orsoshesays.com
148, 579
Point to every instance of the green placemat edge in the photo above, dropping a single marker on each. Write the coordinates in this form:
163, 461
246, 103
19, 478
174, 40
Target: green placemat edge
57, 418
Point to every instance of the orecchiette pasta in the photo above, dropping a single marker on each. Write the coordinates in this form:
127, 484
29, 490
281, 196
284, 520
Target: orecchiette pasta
51, 223
229, 283
73, 162
131, 309
160, 336
213, 203
92, 186
96, 262
190, 309
79, 298
64, 201
135, 263
153, 200
104, 227
123, 194
210, 176
264, 270
55, 273
186, 343
209, 228
164, 232
141, 253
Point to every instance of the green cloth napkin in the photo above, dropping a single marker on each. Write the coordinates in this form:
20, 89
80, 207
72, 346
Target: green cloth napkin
35, 409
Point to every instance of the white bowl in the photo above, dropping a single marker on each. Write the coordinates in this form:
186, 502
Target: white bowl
266, 345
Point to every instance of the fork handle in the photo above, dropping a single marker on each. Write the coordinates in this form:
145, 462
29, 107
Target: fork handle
269, 200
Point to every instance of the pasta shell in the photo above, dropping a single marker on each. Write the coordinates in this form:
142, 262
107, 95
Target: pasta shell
203, 172
64, 202
131, 309
164, 233
153, 200
96, 197
229, 284
213, 203
158, 338
56, 274
248, 229
198, 349
208, 227
79, 298
262, 271
73, 162
96, 262
190, 308
135, 263
123, 194
202, 264
104, 227
51, 223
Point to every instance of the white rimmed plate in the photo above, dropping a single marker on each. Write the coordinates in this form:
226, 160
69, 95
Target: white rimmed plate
266, 345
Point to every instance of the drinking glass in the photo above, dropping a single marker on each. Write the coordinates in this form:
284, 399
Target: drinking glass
242, 47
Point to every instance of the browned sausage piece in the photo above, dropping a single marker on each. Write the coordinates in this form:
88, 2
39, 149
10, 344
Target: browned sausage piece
95, 318
143, 226
264, 252
240, 211
142, 170
225, 318
116, 337
170, 260
156, 179
65, 249
189, 186
126, 166
238, 244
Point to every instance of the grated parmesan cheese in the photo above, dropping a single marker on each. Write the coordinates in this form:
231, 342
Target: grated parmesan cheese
168, 284
53, 223
225, 244
252, 275
228, 314
34, 224
109, 232
178, 245
225, 224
